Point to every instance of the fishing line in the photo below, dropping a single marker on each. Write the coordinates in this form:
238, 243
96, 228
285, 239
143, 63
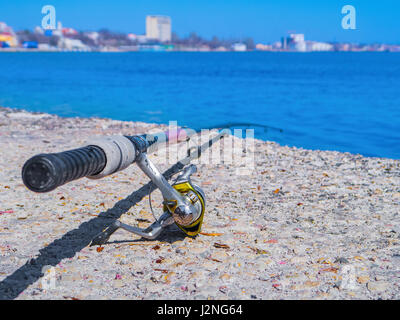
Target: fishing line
240, 124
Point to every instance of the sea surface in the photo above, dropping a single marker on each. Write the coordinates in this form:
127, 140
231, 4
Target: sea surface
327, 101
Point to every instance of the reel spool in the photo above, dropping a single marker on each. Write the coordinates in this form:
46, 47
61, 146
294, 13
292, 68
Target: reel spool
189, 222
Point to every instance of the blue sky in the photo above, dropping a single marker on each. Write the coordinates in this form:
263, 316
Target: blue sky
265, 21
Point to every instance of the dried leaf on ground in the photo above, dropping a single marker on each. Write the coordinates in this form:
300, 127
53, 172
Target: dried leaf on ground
221, 246
211, 234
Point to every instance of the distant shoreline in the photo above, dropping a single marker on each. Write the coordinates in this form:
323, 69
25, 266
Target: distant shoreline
23, 50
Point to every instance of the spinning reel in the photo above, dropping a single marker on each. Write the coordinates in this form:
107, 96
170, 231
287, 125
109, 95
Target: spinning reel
184, 205
184, 201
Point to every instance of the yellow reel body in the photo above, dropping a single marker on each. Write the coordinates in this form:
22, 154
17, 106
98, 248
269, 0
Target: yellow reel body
196, 197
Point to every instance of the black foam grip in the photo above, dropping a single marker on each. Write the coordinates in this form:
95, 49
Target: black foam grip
45, 172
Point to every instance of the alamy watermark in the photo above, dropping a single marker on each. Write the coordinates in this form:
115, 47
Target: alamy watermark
349, 20
48, 281
236, 149
49, 20
348, 273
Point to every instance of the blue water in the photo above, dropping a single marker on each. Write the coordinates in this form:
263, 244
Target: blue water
329, 101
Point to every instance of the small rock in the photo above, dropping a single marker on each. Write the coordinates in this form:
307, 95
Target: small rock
225, 276
363, 279
378, 286
341, 260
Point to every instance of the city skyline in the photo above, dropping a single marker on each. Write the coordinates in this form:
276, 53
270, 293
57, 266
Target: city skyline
264, 22
53, 36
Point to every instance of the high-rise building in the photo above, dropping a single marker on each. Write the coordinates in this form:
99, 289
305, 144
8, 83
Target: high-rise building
158, 28
295, 42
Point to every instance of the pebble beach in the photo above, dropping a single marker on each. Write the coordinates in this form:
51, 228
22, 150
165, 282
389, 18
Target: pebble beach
304, 224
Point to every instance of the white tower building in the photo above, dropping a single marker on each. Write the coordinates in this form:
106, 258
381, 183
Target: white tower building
158, 28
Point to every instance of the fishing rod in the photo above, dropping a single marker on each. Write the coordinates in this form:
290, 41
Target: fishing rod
183, 201
242, 124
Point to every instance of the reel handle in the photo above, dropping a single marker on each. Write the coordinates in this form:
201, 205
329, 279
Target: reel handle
46, 172
187, 172
99, 158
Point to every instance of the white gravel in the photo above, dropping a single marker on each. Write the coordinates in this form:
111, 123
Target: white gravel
303, 225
